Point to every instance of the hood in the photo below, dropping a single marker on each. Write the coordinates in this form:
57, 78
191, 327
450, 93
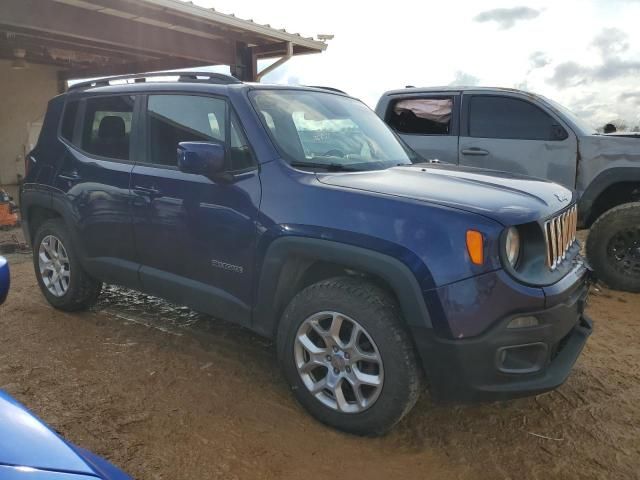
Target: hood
23, 473
27, 442
507, 198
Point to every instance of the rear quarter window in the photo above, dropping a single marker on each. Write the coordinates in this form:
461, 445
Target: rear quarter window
69, 119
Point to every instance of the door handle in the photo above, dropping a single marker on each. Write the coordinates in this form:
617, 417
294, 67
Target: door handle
70, 176
147, 191
475, 151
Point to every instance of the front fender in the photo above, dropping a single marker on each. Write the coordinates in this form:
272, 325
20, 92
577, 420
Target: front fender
276, 272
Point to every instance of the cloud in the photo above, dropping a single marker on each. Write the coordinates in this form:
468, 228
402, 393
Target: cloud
507, 17
539, 60
569, 74
616, 68
630, 97
464, 79
610, 43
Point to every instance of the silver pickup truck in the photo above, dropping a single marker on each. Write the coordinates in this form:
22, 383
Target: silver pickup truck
520, 132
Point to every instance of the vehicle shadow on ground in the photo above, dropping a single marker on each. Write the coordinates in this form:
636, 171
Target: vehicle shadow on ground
429, 425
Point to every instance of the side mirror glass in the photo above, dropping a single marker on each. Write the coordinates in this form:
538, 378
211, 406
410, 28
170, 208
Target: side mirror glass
201, 158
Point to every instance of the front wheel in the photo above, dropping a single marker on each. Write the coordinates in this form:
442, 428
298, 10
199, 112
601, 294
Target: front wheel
347, 356
613, 247
60, 276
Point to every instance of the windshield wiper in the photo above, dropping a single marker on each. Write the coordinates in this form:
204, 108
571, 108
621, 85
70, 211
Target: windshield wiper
329, 167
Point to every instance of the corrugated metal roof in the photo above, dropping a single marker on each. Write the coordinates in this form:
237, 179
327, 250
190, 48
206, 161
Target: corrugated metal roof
231, 21
188, 9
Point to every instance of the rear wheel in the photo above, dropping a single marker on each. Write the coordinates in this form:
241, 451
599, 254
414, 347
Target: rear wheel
60, 276
347, 356
613, 247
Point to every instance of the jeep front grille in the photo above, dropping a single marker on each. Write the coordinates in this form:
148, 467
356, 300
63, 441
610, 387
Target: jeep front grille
560, 234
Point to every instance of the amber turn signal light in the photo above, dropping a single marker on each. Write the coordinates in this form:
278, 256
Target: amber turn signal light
475, 246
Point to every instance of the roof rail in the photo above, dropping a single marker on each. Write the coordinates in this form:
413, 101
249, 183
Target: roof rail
190, 77
331, 89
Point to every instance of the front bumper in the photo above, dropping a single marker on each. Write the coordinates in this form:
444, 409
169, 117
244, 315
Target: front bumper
504, 362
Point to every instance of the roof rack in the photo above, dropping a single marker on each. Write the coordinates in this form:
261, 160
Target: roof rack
190, 77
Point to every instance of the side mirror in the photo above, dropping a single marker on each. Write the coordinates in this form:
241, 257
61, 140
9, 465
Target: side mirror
4, 279
558, 132
201, 158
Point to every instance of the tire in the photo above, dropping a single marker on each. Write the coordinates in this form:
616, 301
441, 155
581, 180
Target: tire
78, 291
362, 305
613, 247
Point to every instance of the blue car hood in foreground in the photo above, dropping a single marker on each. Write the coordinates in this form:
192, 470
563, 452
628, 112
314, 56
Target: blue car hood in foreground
31, 450
508, 198
4, 280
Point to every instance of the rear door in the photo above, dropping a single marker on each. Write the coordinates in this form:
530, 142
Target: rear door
427, 123
195, 238
93, 180
514, 134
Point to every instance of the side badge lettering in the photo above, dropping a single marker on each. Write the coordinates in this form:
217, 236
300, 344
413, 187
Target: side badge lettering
227, 266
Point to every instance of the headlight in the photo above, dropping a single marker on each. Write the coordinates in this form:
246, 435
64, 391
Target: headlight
512, 246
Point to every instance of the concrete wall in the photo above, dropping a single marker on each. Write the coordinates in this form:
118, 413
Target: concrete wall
24, 95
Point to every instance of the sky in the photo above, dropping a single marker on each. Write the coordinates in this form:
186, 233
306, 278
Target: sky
584, 54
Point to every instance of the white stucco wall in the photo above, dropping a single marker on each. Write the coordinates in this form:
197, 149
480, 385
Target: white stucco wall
24, 95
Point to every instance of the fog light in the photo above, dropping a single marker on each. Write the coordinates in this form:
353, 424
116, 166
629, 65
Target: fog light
523, 322
520, 359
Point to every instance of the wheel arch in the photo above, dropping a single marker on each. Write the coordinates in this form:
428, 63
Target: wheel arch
38, 206
293, 263
35, 208
609, 189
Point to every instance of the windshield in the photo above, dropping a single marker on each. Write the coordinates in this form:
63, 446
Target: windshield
323, 130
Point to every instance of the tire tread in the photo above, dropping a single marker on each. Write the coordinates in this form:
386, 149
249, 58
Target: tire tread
596, 245
389, 319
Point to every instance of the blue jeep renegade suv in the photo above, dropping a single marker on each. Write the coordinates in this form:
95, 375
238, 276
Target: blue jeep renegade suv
297, 213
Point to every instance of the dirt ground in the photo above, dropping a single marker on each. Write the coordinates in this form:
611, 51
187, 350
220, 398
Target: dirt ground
165, 393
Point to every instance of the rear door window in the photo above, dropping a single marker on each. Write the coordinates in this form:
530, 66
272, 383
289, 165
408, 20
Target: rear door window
509, 118
106, 129
422, 116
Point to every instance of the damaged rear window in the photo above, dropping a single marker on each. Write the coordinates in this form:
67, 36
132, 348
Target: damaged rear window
422, 116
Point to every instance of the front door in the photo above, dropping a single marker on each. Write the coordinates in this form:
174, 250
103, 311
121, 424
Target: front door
428, 124
515, 135
194, 237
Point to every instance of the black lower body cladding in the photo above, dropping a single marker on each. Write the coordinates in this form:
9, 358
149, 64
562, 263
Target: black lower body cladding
505, 362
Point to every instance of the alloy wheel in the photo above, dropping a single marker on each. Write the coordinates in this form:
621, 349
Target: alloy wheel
338, 362
624, 251
55, 269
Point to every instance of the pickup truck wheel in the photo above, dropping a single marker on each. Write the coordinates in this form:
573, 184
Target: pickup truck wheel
62, 280
347, 356
613, 247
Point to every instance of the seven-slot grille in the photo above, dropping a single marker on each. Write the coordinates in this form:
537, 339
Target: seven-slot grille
560, 233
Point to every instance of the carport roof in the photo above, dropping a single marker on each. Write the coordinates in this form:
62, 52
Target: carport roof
107, 37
